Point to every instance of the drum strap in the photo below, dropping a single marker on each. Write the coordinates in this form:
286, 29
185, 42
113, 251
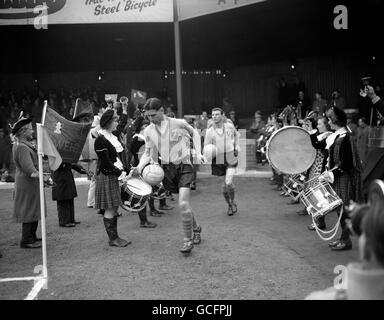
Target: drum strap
333, 231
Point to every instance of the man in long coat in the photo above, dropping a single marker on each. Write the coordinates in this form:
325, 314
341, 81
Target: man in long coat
27, 202
64, 191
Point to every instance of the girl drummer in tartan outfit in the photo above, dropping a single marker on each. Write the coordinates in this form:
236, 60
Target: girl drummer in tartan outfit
109, 168
345, 164
319, 165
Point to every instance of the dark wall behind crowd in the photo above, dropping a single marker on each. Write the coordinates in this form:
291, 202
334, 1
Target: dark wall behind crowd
248, 88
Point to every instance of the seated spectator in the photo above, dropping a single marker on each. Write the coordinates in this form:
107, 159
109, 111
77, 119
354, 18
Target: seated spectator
302, 105
337, 100
232, 116
257, 127
319, 104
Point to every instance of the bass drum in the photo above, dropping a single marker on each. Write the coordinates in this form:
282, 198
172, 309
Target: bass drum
289, 150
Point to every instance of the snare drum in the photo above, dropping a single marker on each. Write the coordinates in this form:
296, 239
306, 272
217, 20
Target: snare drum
289, 150
294, 185
158, 192
321, 199
135, 193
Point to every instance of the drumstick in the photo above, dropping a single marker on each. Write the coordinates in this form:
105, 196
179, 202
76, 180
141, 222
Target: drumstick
321, 175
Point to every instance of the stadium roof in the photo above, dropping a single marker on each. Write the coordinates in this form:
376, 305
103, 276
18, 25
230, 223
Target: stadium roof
265, 31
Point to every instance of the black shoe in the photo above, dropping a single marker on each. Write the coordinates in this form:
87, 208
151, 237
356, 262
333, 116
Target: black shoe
34, 245
101, 212
68, 225
155, 213
90, 207
148, 224
118, 242
333, 243
343, 245
193, 186
165, 207
230, 211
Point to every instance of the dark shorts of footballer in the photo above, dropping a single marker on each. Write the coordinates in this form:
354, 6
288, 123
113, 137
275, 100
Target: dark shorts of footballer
221, 168
177, 176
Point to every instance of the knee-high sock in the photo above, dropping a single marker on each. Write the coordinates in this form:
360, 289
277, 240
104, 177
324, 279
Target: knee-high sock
187, 220
195, 224
231, 192
226, 193
91, 193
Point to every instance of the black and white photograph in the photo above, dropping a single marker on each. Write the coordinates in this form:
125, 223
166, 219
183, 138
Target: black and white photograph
192, 154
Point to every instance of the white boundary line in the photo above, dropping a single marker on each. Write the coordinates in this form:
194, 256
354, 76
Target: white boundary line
20, 279
32, 295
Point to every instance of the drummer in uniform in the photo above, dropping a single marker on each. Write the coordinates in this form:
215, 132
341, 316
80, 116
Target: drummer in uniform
225, 137
170, 138
345, 170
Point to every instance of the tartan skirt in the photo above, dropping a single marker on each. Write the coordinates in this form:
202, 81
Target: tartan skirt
343, 188
107, 193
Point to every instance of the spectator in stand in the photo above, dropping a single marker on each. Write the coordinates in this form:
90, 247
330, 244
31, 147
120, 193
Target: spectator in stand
337, 100
362, 140
257, 127
302, 105
319, 104
235, 121
169, 112
352, 127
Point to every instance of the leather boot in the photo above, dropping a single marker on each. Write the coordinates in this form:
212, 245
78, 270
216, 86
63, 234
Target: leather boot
144, 223
111, 228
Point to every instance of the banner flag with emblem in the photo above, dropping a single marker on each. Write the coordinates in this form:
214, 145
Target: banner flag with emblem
46, 147
67, 136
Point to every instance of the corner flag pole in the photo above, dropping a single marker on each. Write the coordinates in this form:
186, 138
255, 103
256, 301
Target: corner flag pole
42, 199
178, 71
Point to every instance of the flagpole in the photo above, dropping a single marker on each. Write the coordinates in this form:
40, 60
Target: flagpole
74, 111
178, 70
42, 199
44, 112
